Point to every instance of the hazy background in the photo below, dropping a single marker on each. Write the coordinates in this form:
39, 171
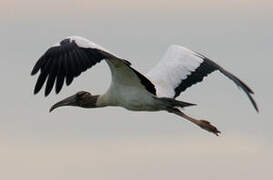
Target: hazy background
112, 143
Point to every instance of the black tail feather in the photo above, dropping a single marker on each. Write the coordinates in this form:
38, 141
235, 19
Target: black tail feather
175, 103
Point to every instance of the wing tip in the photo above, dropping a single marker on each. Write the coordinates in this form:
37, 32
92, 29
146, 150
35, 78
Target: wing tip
35, 92
254, 103
47, 92
33, 72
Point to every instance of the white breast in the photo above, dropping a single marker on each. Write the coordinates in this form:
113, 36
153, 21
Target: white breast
131, 98
126, 90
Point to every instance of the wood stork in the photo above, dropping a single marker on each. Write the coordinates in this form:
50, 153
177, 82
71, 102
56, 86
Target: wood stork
178, 69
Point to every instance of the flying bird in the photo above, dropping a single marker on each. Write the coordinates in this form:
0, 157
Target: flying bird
157, 90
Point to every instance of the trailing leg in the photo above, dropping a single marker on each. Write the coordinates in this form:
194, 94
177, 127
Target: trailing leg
201, 123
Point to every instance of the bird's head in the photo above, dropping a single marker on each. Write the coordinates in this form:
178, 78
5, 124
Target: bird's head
81, 99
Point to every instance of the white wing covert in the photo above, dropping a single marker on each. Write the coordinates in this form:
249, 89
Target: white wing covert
180, 68
176, 64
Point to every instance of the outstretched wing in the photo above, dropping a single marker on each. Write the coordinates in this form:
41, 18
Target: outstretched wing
74, 55
180, 68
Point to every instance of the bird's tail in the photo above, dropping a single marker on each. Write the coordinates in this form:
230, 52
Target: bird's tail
175, 103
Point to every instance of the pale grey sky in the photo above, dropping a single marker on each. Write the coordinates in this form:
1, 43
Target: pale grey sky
113, 143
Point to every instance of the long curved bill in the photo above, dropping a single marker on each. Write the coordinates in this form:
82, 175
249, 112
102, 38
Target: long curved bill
69, 101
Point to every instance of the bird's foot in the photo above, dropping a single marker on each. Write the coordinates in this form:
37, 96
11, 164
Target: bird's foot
207, 126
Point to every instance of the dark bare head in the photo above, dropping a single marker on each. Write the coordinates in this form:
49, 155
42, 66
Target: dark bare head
81, 99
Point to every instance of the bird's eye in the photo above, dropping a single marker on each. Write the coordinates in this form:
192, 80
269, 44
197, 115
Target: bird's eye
80, 94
